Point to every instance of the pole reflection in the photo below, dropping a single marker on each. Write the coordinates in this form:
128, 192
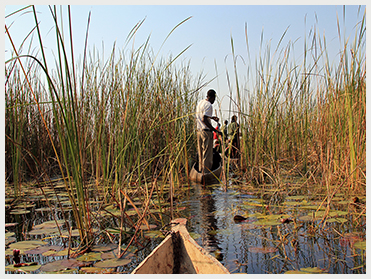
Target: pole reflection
208, 222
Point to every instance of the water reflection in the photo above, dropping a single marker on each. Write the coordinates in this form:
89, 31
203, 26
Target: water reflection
208, 221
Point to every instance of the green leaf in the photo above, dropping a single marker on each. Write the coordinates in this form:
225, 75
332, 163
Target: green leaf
295, 272
112, 263
29, 268
89, 257
26, 245
153, 234
306, 218
337, 220
312, 270
341, 213
267, 222
296, 197
96, 270
194, 235
360, 245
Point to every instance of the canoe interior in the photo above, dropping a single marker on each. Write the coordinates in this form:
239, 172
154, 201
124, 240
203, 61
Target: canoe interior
178, 253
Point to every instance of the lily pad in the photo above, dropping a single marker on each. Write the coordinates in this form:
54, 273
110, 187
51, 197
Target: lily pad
295, 272
112, 263
9, 238
43, 249
360, 245
48, 224
96, 270
341, 213
151, 227
7, 225
103, 248
226, 231
29, 268
337, 220
43, 231
253, 204
267, 222
19, 211
264, 250
154, 234
75, 232
247, 207
311, 207
26, 245
25, 205
306, 218
62, 264
293, 203
312, 270
108, 255
194, 235
64, 252
296, 197
89, 257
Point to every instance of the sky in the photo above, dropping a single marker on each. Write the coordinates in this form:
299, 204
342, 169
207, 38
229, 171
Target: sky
208, 32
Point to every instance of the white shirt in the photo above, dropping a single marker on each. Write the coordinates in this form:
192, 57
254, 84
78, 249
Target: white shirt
204, 107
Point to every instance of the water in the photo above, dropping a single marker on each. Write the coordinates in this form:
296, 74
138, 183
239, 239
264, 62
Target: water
249, 248
261, 244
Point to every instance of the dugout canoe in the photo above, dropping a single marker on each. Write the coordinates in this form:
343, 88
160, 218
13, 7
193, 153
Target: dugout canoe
178, 253
207, 178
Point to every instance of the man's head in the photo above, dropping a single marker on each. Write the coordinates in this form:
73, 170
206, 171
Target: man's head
211, 95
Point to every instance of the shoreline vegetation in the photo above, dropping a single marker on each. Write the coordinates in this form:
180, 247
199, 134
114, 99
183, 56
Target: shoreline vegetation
128, 120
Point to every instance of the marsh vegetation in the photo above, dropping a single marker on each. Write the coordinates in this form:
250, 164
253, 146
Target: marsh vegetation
98, 155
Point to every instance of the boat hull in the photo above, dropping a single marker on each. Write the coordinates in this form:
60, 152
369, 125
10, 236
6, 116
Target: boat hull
207, 178
179, 253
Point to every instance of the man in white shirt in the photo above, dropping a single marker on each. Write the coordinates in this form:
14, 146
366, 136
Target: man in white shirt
205, 130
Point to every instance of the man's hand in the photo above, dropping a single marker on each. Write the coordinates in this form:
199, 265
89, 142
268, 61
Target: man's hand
215, 118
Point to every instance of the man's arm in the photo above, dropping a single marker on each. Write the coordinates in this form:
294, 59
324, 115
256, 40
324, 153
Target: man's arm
208, 124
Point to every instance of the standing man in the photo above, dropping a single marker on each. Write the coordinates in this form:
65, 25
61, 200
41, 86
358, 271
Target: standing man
225, 131
205, 131
234, 134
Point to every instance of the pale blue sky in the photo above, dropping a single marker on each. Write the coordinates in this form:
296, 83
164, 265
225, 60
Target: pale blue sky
209, 30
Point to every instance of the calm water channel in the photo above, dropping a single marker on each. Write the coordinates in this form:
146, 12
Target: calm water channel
284, 232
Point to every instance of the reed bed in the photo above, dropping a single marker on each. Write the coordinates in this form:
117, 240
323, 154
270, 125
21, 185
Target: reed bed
128, 120
121, 122
306, 117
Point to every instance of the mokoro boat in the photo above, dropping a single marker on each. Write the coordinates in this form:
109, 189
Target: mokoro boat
178, 253
206, 178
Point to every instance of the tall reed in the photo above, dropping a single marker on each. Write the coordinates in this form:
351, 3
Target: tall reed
119, 121
306, 117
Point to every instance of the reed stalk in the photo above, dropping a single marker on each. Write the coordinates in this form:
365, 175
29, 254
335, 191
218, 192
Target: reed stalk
118, 121
306, 117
